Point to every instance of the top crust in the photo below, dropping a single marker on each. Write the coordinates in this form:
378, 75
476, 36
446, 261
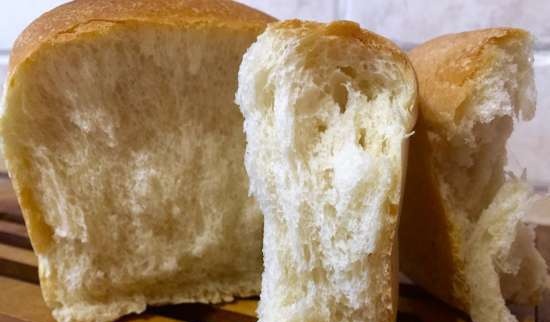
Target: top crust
377, 43
448, 66
65, 21
342, 28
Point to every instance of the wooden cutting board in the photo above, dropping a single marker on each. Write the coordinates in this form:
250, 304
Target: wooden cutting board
21, 300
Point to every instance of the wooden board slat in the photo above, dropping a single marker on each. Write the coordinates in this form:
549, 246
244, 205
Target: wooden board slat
426, 311
6, 318
246, 307
14, 234
197, 312
8, 202
21, 300
19, 255
146, 317
18, 263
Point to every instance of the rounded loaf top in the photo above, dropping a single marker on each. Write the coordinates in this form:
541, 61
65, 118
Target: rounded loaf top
78, 16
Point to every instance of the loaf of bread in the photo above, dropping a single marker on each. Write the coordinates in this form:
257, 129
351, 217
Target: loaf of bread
462, 236
328, 111
125, 148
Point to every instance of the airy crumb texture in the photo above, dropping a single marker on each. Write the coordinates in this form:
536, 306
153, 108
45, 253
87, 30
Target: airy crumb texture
328, 109
502, 259
126, 152
462, 234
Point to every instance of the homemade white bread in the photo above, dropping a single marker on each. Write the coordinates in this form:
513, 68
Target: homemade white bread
125, 148
461, 235
328, 110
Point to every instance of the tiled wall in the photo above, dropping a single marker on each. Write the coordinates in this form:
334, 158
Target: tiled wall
407, 22
417, 20
402, 20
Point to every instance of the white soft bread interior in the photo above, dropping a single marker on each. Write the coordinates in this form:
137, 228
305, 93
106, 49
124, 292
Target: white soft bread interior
125, 148
328, 110
462, 236
502, 259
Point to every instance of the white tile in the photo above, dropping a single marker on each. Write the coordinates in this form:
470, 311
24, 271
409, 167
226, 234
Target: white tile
419, 20
529, 145
16, 15
320, 10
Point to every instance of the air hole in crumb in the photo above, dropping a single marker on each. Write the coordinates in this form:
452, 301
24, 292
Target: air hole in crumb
330, 211
321, 127
348, 71
384, 147
366, 89
318, 276
307, 253
340, 96
326, 183
266, 90
362, 138
392, 209
268, 97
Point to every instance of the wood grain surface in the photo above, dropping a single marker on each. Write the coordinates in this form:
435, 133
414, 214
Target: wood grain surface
21, 300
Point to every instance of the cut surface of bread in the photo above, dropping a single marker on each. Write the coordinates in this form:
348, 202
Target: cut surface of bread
328, 110
125, 149
472, 85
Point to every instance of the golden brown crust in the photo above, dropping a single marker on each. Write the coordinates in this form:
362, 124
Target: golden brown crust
430, 243
343, 28
67, 19
446, 67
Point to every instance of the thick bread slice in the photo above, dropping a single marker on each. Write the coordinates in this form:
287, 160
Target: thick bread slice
472, 85
328, 110
126, 152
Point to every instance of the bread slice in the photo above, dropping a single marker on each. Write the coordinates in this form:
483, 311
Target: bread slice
125, 148
328, 110
461, 235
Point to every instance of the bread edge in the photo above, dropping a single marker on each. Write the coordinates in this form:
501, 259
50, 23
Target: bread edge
446, 67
